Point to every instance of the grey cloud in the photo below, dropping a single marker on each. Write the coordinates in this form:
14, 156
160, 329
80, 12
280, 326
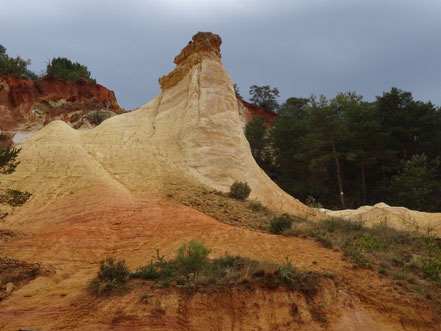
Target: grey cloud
301, 47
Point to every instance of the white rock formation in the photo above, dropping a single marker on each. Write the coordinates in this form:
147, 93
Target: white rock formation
192, 129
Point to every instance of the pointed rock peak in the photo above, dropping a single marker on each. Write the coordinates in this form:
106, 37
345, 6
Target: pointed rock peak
202, 45
202, 42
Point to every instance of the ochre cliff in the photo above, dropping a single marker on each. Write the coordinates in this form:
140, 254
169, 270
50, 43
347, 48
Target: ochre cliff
247, 111
196, 125
106, 192
27, 106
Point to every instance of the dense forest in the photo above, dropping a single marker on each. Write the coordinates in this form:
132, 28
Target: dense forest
345, 152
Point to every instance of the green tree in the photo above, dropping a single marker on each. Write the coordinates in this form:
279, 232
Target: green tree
255, 131
364, 147
236, 91
296, 106
410, 125
15, 66
265, 97
291, 154
319, 147
418, 185
327, 133
64, 68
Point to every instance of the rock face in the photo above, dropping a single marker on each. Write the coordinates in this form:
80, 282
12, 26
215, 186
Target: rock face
196, 124
247, 111
27, 106
193, 128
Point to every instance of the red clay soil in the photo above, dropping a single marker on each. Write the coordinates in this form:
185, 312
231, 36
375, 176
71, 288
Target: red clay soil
19, 97
72, 235
252, 110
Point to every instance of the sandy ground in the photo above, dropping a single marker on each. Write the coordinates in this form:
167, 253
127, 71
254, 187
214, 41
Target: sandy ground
70, 241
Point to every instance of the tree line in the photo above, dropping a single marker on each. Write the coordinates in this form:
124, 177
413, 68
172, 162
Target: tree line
59, 67
345, 152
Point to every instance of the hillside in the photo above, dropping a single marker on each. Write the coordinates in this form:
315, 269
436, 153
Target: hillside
115, 190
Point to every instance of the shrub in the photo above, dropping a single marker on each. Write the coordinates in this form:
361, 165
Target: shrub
227, 261
111, 275
303, 281
370, 242
302, 229
239, 190
255, 205
279, 224
95, 117
15, 198
357, 257
312, 203
148, 272
431, 262
8, 161
192, 257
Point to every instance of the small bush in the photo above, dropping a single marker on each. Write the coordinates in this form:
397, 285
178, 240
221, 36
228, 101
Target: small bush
431, 262
299, 229
370, 242
192, 257
15, 198
148, 272
357, 257
227, 261
111, 275
8, 161
279, 224
255, 205
312, 203
95, 117
303, 281
240, 190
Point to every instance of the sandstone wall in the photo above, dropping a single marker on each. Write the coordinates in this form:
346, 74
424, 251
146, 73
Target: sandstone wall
27, 106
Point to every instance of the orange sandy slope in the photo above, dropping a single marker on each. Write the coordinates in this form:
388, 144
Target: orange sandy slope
76, 232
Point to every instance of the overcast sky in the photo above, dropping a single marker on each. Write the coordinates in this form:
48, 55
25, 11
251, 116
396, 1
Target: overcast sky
299, 46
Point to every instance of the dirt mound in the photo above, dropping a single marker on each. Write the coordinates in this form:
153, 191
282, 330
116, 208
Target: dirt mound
400, 217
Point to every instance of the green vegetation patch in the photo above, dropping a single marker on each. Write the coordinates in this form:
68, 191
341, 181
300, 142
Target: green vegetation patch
112, 274
192, 269
15, 198
247, 214
280, 224
239, 190
401, 254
